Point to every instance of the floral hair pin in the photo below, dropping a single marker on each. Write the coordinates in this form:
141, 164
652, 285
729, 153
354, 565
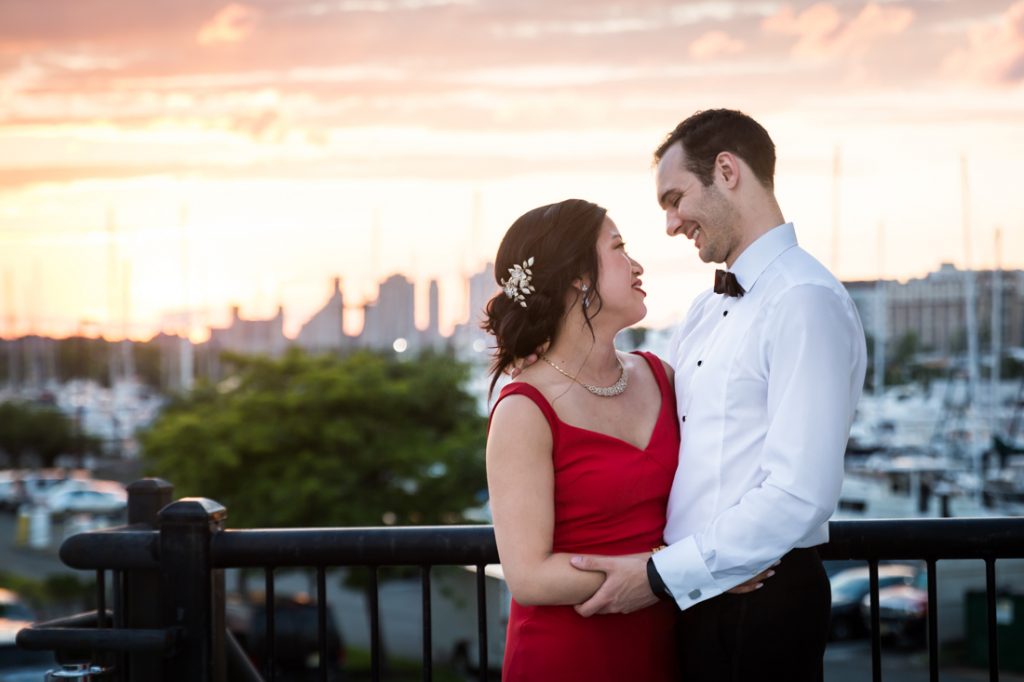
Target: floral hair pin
519, 285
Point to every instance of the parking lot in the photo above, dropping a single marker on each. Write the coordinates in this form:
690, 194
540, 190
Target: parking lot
851, 662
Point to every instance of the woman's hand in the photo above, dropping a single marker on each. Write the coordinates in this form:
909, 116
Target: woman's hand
755, 583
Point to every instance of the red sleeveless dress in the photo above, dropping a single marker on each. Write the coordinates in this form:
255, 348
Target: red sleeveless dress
610, 499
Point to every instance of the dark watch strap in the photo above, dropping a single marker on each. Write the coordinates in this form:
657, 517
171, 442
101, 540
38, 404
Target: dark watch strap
657, 584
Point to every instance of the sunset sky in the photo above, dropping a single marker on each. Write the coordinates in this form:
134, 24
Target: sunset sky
166, 157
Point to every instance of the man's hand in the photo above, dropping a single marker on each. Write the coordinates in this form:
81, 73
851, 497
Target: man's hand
625, 588
523, 363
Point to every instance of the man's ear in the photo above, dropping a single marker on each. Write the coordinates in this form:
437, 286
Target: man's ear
727, 169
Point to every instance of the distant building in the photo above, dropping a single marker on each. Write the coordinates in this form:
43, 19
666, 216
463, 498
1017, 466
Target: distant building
865, 296
325, 331
177, 369
469, 338
431, 336
934, 307
390, 321
250, 337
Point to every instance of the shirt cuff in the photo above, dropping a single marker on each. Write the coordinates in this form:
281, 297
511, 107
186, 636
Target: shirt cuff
682, 569
657, 584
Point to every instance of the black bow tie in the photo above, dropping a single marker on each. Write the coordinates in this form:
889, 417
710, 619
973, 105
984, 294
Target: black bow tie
726, 283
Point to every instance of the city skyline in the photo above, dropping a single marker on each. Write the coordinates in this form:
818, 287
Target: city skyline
221, 154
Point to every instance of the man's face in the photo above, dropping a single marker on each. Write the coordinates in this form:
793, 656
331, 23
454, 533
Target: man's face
702, 214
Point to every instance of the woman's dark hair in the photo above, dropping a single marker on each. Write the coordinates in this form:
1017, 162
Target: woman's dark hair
562, 240
706, 134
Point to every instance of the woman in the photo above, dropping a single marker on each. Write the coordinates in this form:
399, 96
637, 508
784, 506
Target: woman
581, 449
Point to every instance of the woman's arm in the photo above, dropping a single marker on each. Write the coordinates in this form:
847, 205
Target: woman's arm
521, 481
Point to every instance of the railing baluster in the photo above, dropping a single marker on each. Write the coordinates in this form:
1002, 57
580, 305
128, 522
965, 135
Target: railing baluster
116, 596
933, 623
101, 598
321, 613
481, 619
428, 658
375, 661
876, 635
269, 600
993, 631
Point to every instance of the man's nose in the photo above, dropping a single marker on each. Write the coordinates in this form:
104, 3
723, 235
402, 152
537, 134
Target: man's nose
672, 222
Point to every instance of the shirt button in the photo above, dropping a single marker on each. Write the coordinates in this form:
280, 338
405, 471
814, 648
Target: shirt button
700, 362
694, 594
724, 313
684, 417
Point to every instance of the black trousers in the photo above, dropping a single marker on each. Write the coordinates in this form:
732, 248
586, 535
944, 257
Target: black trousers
775, 633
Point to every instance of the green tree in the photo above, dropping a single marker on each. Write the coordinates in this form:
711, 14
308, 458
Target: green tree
325, 441
40, 431
80, 357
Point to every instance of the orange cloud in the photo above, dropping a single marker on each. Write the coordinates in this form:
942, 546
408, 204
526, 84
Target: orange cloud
822, 32
232, 24
715, 44
995, 51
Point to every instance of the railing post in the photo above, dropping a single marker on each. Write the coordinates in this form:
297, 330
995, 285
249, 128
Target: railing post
141, 600
192, 592
146, 497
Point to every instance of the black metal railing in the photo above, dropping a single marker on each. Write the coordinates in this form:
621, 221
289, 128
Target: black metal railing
166, 566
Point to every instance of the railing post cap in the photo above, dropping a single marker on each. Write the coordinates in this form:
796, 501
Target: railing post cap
193, 510
149, 485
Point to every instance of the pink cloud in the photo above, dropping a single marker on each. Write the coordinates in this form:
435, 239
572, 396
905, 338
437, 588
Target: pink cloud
232, 24
821, 30
995, 51
715, 44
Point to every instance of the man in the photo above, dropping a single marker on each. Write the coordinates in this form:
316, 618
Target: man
769, 367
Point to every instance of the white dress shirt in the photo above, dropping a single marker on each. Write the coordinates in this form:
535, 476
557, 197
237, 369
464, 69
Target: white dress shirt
766, 387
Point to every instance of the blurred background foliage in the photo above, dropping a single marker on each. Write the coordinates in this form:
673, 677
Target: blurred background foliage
303, 440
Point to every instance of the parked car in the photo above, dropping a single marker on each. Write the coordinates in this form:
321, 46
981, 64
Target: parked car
296, 637
13, 608
87, 501
18, 486
850, 586
902, 612
18, 665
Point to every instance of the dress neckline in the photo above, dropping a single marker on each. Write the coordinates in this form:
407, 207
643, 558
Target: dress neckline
660, 379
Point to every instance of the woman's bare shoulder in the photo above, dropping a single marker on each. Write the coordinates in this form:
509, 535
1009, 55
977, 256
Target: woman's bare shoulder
518, 413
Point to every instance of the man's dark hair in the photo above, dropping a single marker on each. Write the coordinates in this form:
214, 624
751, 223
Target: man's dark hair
706, 134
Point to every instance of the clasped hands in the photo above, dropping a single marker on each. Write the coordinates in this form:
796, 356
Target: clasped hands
625, 588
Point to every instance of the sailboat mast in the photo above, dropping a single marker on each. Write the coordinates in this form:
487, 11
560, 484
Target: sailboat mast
836, 172
970, 294
127, 358
186, 361
113, 357
997, 329
881, 317
12, 343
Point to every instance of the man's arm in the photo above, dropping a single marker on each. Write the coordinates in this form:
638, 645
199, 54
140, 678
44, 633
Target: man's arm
816, 363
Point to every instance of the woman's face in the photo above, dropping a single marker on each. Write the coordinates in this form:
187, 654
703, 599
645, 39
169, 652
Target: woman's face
619, 280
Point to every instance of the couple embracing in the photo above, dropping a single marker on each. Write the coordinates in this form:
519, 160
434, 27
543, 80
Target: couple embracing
657, 519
